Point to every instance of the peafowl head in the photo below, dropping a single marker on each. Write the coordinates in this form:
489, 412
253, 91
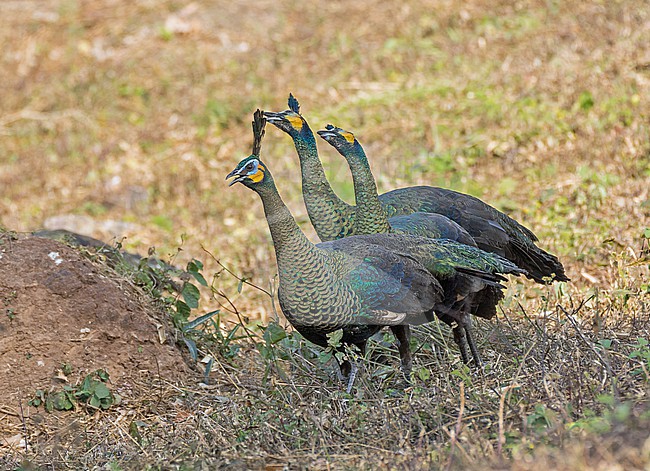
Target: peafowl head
290, 121
251, 171
342, 140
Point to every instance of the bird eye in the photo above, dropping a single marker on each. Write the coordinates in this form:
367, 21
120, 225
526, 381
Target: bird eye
249, 166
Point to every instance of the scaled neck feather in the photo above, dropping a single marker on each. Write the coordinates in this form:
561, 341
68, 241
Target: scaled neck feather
370, 216
290, 243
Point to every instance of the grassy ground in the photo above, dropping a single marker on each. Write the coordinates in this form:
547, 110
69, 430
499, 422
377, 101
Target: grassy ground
135, 111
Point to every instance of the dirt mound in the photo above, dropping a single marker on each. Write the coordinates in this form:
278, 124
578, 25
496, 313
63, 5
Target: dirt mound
59, 308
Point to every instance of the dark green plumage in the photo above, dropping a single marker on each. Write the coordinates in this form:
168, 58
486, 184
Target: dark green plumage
470, 279
370, 216
490, 229
362, 283
333, 218
435, 226
325, 289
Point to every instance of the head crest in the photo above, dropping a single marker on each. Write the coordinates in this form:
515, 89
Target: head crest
293, 104
259, 122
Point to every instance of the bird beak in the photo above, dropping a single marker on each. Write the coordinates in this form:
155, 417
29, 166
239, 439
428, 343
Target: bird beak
273, 117
235, 173
326, 134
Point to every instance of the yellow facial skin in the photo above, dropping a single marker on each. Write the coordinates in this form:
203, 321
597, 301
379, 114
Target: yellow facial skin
348, 136
259, 175
295, 121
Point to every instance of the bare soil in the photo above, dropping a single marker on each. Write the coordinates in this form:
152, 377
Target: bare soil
59, 308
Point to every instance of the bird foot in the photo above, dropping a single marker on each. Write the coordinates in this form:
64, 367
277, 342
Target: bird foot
407, 369
347, 372
344, 369
352, 377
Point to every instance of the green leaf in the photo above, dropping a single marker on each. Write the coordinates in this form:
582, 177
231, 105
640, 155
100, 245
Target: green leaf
199, 320
265, 351
424, 374
60, 401
198, 277
103, 375
193, 268
95, 402
191, 346
195, 265
101, 391
191, 295
86, 388
274, 333
334, 338
183, 309
606, 343
325, 356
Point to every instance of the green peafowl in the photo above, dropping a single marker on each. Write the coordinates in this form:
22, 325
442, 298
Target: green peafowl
331, 217
492, 230
371, 218
360, 284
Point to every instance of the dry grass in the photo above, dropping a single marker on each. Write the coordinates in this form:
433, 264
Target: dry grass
135, 111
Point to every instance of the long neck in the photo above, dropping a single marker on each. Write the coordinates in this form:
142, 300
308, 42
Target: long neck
314, 181
370, 216
330, 215
312, 294
289, 241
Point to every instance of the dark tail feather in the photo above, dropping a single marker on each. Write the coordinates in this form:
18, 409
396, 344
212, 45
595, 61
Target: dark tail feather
538, 263
484, 303
490, 278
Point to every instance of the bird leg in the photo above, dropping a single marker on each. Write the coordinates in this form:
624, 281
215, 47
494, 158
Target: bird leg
345, 368
353, 375
403, 334
348, 368
461, 341
472, 345
464, 329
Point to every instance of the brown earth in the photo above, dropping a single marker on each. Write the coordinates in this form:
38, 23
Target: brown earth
59, 308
